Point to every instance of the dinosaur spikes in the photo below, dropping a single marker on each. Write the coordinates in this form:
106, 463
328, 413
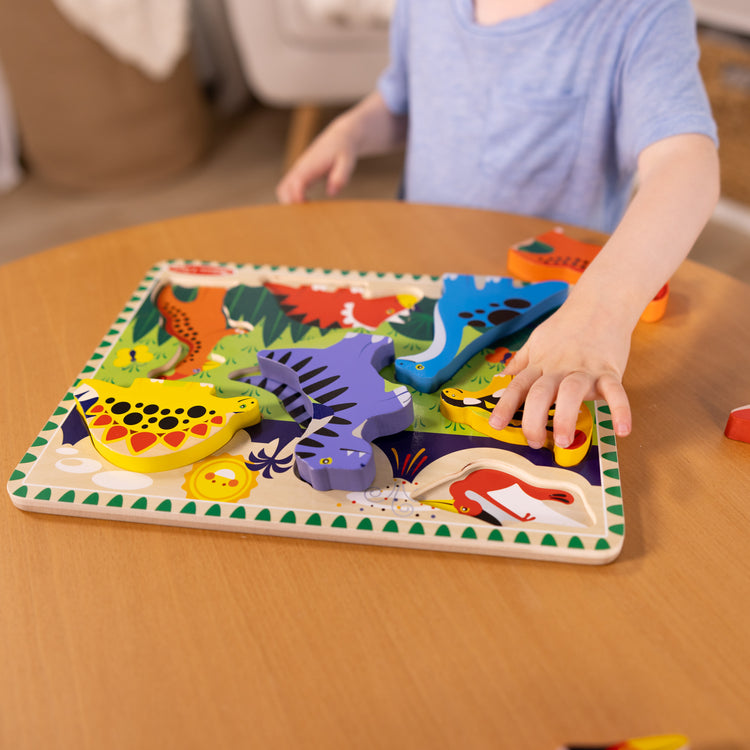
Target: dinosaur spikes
136, 429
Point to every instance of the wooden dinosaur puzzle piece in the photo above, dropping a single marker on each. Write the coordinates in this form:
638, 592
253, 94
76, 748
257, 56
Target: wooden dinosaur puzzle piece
198, 325
343, 307
470, 316
552, 255
156, 425
652, 742
345, 402
474, 409
555, 255
738, 424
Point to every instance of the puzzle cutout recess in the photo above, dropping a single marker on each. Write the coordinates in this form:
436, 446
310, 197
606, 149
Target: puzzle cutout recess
325, 404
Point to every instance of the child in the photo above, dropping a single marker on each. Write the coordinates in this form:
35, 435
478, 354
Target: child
549, 108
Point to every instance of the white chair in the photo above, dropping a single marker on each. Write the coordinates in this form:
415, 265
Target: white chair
294, 58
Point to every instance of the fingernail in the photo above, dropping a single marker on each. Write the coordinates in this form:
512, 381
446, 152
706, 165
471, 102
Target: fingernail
563, 441
533, 444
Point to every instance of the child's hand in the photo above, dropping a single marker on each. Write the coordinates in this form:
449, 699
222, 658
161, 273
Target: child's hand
574, 356
366, 129
332, 153
580, 352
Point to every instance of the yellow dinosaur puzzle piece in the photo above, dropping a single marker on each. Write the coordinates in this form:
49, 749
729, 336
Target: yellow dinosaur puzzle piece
157, 425
474, 409
653, 742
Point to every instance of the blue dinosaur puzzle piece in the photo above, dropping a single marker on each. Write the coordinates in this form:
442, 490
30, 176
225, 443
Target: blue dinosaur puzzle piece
338, 394
469, 318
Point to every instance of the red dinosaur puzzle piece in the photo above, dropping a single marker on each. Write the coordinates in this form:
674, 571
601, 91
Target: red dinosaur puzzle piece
738, 424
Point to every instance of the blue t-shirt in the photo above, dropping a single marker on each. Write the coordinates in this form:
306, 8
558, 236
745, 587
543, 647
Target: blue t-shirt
545, 114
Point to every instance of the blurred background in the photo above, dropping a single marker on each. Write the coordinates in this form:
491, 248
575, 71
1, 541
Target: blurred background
120, 112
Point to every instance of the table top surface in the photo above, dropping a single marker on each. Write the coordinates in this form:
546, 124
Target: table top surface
128, 635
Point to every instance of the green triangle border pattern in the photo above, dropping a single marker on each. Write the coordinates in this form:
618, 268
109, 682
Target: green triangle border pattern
249, 517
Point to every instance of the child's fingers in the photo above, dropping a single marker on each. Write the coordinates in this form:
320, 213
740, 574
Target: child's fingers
539, 399
573, 390
310, 167
283, 192
290, 190
341, 171
293, 186
612, 389
511, 400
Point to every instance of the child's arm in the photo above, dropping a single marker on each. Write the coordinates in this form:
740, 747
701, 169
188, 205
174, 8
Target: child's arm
366, 129
580, 352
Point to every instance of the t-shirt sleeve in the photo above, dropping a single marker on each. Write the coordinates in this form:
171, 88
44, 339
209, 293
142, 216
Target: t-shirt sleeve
393, 82
661, 92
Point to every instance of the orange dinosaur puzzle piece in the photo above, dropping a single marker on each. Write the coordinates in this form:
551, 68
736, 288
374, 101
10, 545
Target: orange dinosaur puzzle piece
198, 325
555, 255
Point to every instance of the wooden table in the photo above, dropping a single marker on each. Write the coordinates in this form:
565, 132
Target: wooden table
121, 635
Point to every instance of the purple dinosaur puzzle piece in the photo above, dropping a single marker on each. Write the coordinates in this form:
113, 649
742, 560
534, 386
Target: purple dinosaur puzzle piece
341, 395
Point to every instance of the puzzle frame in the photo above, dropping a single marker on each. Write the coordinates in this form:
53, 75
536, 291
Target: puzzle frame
408, 504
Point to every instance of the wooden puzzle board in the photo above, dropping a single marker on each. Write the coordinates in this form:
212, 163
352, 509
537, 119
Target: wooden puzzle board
250, 485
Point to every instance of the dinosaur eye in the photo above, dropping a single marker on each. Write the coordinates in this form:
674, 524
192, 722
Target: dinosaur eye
326, 461
419, 367
464, 509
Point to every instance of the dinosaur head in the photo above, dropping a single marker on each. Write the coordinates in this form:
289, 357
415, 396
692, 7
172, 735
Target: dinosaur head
346, 465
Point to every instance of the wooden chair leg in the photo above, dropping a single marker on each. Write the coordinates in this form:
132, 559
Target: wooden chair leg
303, 128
